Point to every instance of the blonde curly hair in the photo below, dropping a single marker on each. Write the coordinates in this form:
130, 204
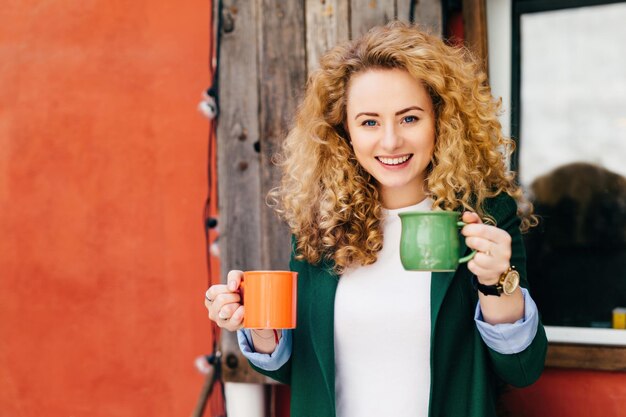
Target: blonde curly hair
331, 204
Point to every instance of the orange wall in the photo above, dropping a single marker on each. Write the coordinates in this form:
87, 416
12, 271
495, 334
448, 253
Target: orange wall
102, 185
570, 393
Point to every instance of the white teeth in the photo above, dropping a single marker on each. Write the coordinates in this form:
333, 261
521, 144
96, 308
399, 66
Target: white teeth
394, 161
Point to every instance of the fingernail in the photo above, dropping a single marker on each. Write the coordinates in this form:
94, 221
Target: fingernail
232, 286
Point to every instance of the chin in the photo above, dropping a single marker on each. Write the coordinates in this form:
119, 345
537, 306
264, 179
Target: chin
394, 184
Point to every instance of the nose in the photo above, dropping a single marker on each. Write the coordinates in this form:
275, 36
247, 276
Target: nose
391, 140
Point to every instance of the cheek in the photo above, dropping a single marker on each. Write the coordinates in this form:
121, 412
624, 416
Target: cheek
430, 149
360, 156
363, 155
360, 146
428, 144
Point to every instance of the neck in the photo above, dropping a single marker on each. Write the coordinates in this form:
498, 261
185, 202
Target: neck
394, 199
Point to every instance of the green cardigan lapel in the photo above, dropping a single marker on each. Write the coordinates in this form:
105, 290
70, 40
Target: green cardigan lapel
322, 323
440, 283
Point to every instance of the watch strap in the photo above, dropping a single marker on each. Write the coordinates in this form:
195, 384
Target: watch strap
495, 289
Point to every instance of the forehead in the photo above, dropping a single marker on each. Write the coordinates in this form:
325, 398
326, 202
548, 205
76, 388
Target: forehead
386, 89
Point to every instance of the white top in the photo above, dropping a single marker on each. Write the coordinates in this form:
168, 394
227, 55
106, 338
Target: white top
382, 333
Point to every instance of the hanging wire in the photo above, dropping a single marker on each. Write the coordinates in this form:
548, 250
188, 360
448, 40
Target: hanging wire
211, 364
208, 221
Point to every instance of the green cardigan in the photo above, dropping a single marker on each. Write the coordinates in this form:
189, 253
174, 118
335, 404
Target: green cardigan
464, 371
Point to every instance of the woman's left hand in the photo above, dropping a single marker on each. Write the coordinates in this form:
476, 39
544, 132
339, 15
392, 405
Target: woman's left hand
493, 248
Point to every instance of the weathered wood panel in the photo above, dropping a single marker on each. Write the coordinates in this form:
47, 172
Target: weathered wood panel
282, 71
368, 13
475, 28
237, 162
604, 358
238, 128
403, 9
364, 14
327, 24
427, 13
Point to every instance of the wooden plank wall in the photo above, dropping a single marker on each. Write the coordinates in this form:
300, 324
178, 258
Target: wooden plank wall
475, 29
238, 162
282, 73
267, 49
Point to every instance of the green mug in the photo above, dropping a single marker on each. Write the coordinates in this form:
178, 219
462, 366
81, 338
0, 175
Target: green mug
430, 241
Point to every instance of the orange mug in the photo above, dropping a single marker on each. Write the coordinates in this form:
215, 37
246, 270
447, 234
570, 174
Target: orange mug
270, 299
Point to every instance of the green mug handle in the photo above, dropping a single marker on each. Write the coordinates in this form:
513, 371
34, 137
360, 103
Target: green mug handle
471, 255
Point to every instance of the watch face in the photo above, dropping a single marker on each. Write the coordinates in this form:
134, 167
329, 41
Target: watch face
511, 282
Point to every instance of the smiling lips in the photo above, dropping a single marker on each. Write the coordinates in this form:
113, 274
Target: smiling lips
400, 160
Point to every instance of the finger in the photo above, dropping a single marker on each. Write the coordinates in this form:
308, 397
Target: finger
224, 299
480, 244
227, 311
235, 321
214, 291
234, 279
491, 233
211, 293
207, 299
487, 266
494, 261
486, 276
237, 317
220, 301
486, 262
471, 217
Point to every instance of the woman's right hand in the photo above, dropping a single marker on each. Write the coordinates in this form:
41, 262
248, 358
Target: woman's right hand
224, 302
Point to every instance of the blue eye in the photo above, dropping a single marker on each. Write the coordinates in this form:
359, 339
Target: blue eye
369, 123
409, 119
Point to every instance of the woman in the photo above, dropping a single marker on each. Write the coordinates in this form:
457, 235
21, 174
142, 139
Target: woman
396, 121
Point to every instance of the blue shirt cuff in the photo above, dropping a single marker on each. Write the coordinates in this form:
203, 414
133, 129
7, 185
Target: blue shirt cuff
266, 361
510, 338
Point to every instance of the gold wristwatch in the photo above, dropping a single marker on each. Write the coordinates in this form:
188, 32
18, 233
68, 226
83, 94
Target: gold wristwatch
507, 284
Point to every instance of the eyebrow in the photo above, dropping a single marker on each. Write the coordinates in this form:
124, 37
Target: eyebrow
398, 113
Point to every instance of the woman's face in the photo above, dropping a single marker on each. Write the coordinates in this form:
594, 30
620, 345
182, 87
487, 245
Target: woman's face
391, 123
